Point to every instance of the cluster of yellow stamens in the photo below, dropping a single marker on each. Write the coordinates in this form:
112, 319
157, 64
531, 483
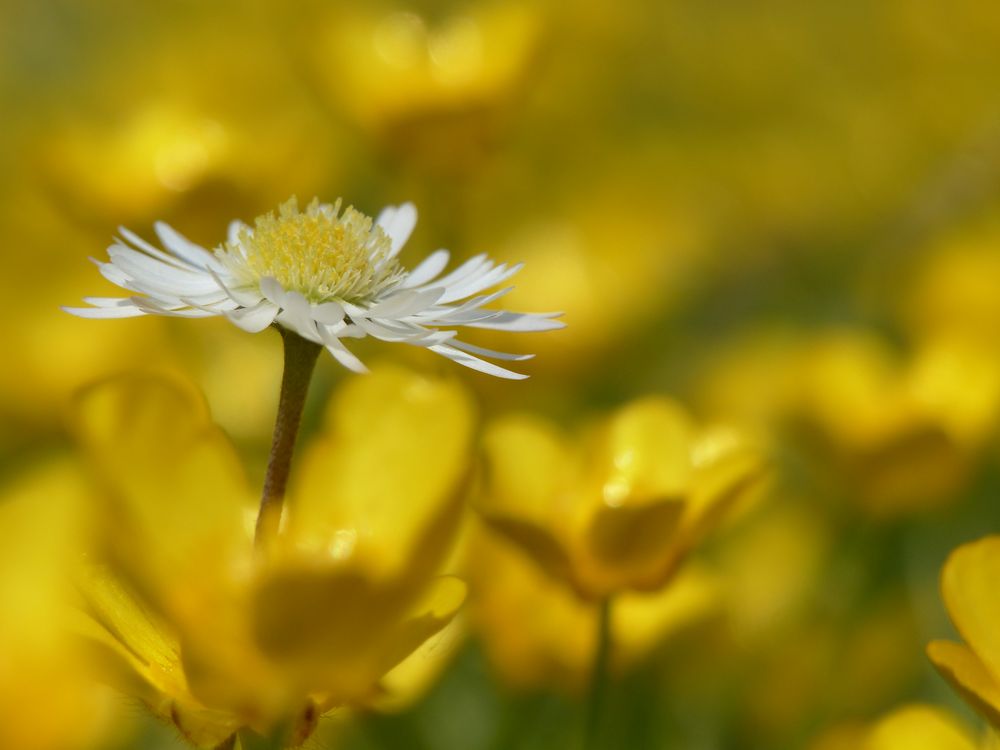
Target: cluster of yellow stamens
321, 253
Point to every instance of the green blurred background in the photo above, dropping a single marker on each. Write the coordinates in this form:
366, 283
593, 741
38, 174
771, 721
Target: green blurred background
784, 213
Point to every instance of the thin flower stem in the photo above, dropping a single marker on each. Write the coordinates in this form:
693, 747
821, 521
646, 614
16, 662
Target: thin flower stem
300, 361
598, 676
276, 740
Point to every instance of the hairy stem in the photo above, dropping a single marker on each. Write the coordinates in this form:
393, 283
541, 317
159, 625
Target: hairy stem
300, 361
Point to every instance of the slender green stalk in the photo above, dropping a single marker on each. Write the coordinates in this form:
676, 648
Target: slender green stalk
598, 677
300, 361
277, 740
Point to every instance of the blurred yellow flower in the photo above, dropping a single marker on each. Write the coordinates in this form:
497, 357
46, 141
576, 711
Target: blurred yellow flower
213, 638
539, 634
620, 508
47, 698
954, 290
612, 246
969, 586
912, 727
390, 67
903, 433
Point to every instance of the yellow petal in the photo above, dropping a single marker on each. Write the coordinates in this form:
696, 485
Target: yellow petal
919, 728
529, 469
341, 631
142, 657
528, 494
637, 488
536, 632
644, 454
121, 623
629, 542
410, 680
642, 621
433, 612
727, 472
387, 473
969, 676
539, 543
177, 497
48, 699
969, 584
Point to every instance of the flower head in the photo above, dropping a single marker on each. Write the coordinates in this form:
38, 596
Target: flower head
215, 638
621, 510
323, 273
322, 253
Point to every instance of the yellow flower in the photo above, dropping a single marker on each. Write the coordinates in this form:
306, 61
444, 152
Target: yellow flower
214, 638
47, 700
969, 585
912, 727
400, 68
539, 634
904, 433
621, 508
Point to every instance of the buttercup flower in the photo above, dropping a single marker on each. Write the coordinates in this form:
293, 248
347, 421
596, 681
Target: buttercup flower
911, 727
324, 273
904, 434
621, 510
215, 637
969, 586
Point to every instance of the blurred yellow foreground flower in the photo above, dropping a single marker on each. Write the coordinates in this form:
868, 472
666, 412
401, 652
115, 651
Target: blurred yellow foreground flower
621, 508
47, 701
215, 638
912, 727
971, 592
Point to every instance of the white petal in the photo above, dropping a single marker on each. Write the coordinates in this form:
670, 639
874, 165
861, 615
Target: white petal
218, 297
340, 352
141, 244
272, 290
295, 316
185, 249
520, 322
245, 297
398, 223
233, 232
254, 319
479, 282
328, 313
102, 313
157, 274
477, 264
475, 363
404, 303
473, 349
155, 307
108, 301
450, 313
380, 331
426, 270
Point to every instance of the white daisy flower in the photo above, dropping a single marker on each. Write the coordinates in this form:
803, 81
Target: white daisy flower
324, 274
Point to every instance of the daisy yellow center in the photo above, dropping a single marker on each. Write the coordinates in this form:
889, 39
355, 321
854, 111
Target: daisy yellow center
322, 253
